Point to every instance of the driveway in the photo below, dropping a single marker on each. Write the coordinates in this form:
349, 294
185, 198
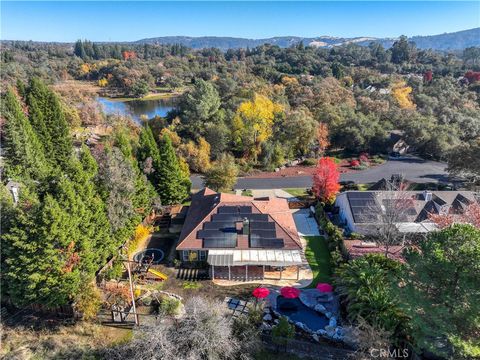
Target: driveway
306, 224
413, 168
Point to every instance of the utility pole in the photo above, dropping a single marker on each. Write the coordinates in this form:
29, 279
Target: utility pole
131, 292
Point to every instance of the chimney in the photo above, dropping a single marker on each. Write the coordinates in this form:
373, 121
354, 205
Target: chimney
246, 227
427, 195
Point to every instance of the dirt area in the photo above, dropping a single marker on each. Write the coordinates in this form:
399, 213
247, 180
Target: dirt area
58, 342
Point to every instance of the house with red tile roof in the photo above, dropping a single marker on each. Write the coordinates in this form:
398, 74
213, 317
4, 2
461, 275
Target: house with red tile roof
235, 233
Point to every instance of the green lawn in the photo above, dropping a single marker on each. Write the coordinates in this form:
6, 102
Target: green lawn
318, 257
297, 192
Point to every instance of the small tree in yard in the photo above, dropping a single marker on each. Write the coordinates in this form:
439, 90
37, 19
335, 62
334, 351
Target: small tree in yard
387, 211
325, 180
223, 174
283, 331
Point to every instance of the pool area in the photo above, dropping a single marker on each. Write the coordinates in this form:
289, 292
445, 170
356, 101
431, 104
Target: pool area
296, 311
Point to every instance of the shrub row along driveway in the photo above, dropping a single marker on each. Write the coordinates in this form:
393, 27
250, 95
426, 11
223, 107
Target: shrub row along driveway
413, 168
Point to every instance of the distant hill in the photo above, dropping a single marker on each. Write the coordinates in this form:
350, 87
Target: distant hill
451, 41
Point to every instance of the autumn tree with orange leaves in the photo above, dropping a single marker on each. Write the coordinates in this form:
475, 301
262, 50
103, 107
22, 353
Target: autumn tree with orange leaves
322, 137
325, 180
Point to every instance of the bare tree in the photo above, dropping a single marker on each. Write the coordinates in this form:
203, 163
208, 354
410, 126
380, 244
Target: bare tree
205, 332
385, 213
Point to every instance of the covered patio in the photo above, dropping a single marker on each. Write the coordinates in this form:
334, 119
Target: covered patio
251, 265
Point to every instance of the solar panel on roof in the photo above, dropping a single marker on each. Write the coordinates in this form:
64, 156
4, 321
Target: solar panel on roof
273, 243
245, 209
205, 234
219, 243
228, 209
263, 233
257, 217
226, 217
262, 225
219, 225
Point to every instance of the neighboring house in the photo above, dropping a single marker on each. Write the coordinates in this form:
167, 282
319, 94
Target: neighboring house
235, 234
363, 212
397, 142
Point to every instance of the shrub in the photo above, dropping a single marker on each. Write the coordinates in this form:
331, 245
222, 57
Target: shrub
141, 233
363, 166
354, 163
364, 158
309, 162
114, 272
88, 301
191, 285
283, 331
170, 306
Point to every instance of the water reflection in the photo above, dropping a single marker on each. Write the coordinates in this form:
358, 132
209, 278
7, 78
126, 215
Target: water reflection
137, 108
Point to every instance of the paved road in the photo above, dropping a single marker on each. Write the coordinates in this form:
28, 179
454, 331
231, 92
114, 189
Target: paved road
413, 168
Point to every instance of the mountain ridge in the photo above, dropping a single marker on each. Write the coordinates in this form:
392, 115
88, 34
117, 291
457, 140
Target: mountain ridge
447, 41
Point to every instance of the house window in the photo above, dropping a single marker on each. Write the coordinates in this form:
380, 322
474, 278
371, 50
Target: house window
192, 255
185, 255
202, 255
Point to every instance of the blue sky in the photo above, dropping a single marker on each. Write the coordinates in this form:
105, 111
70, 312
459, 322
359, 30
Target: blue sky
127, 20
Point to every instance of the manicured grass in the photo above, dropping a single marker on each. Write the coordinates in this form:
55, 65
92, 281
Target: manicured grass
247, 193
318, 258
297, 192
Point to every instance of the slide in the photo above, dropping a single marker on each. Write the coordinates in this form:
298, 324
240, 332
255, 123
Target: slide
158, 274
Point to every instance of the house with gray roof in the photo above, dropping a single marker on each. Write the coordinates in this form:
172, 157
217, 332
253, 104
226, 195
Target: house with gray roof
364, 212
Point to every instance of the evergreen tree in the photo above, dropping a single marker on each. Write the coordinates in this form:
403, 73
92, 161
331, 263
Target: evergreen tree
79, 50
148, 153
24, 155
171, 185
48, 117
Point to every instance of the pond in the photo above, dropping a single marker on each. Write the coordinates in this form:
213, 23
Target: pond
295, 310
136, 108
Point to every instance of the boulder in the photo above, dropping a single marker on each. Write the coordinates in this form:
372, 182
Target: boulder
321, 332
265, 326
332, 322
328, 314
267, 317
320, 308
330, 330
315, 337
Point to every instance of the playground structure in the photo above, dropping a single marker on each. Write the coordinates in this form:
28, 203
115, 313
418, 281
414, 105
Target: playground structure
143, 268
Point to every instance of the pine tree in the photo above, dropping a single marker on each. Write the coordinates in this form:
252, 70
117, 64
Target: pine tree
149, 154
48, 116
171, 185
23, 151
79, 50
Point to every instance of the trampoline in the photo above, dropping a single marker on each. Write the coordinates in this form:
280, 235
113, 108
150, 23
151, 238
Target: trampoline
157, 255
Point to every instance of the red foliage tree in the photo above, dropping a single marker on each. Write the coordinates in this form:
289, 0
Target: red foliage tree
428, 76
325, 180
354, 163
472, 76
129, 55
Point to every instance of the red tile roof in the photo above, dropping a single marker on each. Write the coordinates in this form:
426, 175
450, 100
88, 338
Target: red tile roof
206, 203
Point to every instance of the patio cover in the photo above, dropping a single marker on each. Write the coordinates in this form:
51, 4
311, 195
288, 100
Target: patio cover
229, 257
